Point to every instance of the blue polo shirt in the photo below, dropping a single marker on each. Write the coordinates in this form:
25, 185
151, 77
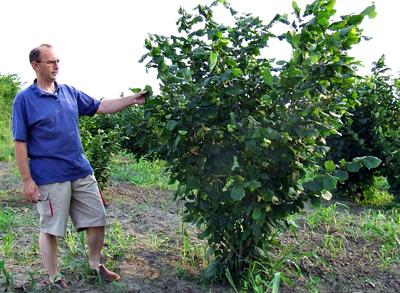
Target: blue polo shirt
49, 124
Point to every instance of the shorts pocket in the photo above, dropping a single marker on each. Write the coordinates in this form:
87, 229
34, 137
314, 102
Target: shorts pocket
44, 205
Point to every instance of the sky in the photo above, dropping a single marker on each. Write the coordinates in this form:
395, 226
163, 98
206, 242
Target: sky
99, 42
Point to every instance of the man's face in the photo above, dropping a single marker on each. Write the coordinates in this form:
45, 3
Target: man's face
47, 68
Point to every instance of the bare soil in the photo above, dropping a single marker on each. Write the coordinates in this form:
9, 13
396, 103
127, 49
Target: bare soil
153, 261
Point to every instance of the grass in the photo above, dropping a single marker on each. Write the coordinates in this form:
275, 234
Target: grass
191, 253
383, 227
8, 276
6, 152
8, 218
141, 172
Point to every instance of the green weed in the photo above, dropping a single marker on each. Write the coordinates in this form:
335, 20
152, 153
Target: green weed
8, 244
32, 279
192, 254
257, 279
267, 273
334, 244
8, 218
323, 216
9, 277
73, 241
158, 241
117, 241
74, 257
312, 284
383, 227
388, 254
377, 195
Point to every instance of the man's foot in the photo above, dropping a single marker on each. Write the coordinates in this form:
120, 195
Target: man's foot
58, 282
107, 275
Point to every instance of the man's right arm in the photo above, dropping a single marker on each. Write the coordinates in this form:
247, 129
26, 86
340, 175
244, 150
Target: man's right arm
30, 191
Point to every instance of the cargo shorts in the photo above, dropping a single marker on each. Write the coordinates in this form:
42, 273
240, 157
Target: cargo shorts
80, 199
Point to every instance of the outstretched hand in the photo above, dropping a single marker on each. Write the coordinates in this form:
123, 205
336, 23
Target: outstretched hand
139, 98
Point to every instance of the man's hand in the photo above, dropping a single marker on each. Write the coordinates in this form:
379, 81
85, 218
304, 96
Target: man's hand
140, 97
31, 191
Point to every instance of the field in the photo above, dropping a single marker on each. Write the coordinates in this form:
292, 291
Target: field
340, 247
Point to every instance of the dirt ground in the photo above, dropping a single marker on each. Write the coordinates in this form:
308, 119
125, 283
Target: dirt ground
152, 264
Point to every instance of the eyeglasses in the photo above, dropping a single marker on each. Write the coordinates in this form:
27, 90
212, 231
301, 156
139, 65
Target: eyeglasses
50, 62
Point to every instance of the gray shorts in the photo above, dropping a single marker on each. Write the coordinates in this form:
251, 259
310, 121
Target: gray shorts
80, 199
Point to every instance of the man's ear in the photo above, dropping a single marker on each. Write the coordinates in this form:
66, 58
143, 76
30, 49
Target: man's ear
34, 65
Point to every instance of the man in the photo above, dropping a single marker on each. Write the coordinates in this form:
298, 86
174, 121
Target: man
55, 173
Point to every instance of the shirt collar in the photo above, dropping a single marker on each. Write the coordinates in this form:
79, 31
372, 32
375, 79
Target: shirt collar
43, 93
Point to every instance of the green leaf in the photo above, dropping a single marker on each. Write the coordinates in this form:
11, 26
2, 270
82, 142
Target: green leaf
236, 72
314, 57
329, 165
280, 18
370, 162
315, 184
252, 185
256, 214
296, 8
267, 76
276, 280
235, 163
338, 25
149, 90
135, 90
267, 195
369, 11
213, 60
171, 124
341, 175
182, 132
199, 53
177, 140
237, 193
316, 202
353, 167
329, 182
260, 252
255, 230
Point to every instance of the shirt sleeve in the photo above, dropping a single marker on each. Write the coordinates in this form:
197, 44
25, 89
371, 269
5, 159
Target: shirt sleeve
86, 104
19, 120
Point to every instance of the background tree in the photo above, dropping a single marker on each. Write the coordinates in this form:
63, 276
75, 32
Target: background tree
101, 140
372, 127
9, 87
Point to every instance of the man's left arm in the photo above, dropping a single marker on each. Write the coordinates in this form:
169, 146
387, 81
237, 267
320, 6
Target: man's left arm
116, 105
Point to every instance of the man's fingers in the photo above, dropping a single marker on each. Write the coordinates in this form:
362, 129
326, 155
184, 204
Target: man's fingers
32, 197
142, 93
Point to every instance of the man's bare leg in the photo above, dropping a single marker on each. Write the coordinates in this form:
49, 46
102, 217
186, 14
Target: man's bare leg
95, 240
48, 249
